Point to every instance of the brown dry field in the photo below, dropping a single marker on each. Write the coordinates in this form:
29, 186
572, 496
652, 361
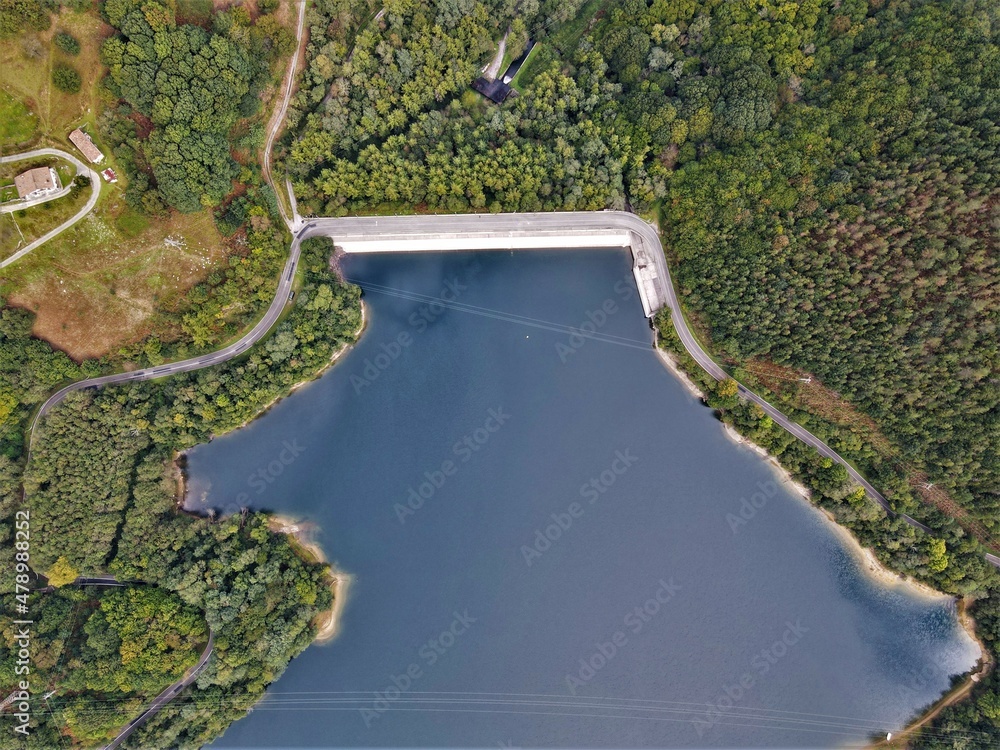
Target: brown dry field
105, 282
95, 287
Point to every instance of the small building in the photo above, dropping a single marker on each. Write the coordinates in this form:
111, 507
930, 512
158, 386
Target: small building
37, 182
496, 91
109, 175
82, 141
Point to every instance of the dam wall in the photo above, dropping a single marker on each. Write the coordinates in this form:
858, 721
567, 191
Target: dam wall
643, 268
484, 241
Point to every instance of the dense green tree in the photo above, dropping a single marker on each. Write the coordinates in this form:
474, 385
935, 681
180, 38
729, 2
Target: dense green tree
67, 43
24, 15
66, 78
188, 87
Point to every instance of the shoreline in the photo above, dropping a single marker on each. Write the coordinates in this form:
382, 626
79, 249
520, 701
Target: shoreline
868, 560
672, 367
302, 383
339, 582
783, 474
300, 535
866, 557
179, 460
873, 568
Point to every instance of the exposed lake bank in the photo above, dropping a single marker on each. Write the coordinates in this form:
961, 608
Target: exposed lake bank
869, 561
456, 549
302, 534
339, 582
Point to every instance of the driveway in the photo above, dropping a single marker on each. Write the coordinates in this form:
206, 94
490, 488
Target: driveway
81, 168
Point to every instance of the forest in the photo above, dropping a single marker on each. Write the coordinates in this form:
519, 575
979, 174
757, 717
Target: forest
825, 177
250, 586
110, 648
180, 89
254, 589
826, 182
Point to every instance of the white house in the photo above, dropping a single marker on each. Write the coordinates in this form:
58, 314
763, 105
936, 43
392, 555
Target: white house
37, 182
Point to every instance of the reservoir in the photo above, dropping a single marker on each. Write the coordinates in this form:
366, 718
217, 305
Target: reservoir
540, 529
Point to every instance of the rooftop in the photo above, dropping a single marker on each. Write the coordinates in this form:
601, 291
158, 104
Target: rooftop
496, 91
35, 180
83, 142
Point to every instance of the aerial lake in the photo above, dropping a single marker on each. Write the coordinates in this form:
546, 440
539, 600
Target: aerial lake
540, 526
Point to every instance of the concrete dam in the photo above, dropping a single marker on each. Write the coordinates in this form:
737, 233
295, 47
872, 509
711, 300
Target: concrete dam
608, 229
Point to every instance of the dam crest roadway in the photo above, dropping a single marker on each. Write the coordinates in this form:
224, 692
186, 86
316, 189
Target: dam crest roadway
527, 231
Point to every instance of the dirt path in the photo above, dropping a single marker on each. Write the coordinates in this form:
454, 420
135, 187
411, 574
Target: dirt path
278, 117
953, 696
492, 70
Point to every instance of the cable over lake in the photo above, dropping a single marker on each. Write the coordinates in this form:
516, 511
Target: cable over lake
539, 521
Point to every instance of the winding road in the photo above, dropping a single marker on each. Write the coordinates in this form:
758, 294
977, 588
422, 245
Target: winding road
81, 168
171, 691
166, 696
406, 227
409, 227
195, 363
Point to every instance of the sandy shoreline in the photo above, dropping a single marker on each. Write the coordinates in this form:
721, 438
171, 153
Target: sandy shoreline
339, 582
870, 563
671, 365
865, 556
783, 473
884, 576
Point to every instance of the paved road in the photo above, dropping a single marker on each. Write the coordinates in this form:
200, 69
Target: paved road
81, 168
195, 363
166, 696
385, 227
408, 227
258, 331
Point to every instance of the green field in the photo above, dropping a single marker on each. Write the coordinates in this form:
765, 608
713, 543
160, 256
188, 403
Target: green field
527, 72
17, 124
569, 34
32, 223
194, 11
560, 45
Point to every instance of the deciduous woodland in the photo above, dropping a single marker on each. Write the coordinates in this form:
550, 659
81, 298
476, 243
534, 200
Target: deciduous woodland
101, 485
826, 180
180, 89
102, 496
825, 176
